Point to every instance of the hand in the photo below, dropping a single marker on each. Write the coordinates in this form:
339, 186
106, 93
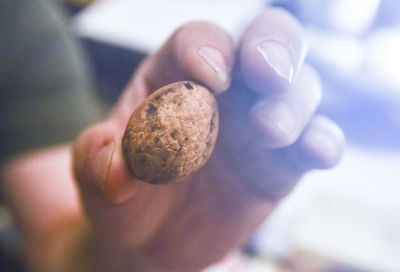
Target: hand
269, 136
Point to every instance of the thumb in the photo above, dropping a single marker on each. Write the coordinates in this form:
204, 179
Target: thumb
99, 166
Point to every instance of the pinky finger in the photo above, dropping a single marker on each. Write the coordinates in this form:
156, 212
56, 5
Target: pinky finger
321, 145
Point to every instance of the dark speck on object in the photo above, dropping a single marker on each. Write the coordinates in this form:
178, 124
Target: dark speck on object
154, 181
188, 85
212, 123
151, 110
173, 134
143, 161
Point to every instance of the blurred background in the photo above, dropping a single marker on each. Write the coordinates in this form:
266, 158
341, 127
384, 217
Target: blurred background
345, 219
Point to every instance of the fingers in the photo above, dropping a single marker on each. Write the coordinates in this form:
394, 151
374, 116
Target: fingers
272, 173
281, 118
272, 51
287, 118
272, 64
199, 51
269, 130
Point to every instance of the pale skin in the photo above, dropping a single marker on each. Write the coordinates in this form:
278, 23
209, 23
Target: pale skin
269, 137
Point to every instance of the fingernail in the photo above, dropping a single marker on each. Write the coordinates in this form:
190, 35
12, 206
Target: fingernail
102, 164
282, 116
216, 60
278, 58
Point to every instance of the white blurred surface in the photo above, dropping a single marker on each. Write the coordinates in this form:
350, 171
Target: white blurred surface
349, 215
347, 16
145, 25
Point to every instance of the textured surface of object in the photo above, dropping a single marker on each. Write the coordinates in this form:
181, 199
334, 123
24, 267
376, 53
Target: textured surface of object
172, 133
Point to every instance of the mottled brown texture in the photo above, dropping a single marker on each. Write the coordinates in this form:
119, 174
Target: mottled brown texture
172, 133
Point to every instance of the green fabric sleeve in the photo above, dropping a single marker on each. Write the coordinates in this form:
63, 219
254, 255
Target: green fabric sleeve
46, 96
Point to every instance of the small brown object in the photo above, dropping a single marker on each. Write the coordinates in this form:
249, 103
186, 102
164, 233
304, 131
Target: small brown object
172, 133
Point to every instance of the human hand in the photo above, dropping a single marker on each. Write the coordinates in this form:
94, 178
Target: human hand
268, 138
